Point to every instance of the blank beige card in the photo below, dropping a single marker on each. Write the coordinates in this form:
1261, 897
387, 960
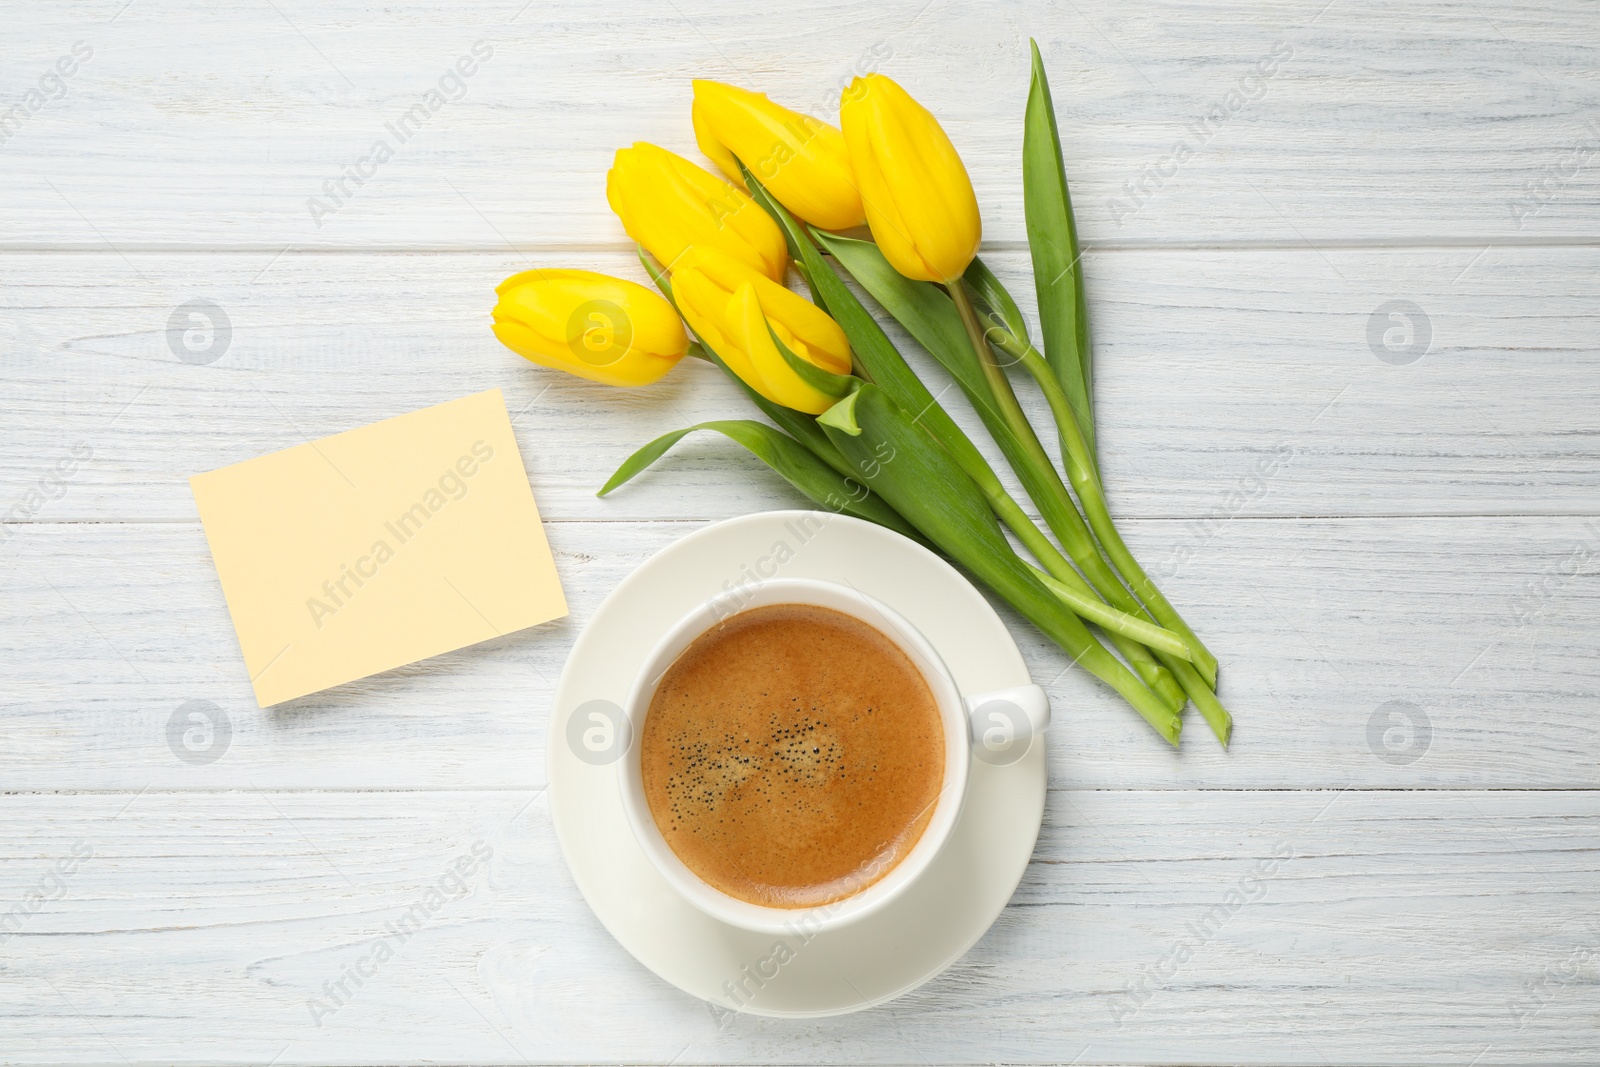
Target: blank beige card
378, 547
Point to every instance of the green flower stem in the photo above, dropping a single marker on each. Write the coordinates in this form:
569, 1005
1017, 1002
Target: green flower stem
1038, 472
1199, 688
993, 303
1081, 472
1148, 665
1072, 590
1127, 633
1211, 709
1097, 611
1149, 655
929, 313
1144, 664
918, 478
1150, 671
876, 360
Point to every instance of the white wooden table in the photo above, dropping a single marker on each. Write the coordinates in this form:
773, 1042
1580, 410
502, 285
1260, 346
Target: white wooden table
1407, 607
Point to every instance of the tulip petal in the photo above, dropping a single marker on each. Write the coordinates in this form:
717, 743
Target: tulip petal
736, 311
824, 342
917, 193
669, 205
704, 307
609, 330
802, 161
777, 380
706, 139
922, 214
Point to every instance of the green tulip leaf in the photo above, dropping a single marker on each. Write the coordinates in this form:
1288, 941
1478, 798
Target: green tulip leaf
876, 358
797, 424
842, 416
930, 316
1057, 260
792, 235
919, 480
823, 381
924, 309
789, 458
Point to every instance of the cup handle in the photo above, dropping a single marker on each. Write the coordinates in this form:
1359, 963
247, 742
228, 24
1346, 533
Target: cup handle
1007, 719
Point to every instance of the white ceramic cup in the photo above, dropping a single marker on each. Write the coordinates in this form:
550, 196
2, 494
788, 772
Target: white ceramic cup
997, 726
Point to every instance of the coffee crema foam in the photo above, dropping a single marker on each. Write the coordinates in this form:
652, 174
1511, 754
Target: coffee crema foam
792, 756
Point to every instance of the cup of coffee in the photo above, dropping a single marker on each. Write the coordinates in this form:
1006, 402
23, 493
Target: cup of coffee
801, 755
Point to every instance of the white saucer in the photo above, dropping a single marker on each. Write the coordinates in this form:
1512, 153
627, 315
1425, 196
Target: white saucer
812, 974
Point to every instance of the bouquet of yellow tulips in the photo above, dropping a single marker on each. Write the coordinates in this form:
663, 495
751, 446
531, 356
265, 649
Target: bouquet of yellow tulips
884, 200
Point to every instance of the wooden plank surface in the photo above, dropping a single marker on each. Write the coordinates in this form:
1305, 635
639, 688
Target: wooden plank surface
1355, 120
1209, 362
1479, 634
1386, 927
1395, 557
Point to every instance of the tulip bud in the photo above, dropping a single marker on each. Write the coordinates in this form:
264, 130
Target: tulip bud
919, 200
668, 205
800, 160
606, 329
731, 308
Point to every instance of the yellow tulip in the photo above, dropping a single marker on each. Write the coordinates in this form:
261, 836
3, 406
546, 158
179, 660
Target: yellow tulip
731, 307
668, 205
606, 329
918, 197
801, 161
